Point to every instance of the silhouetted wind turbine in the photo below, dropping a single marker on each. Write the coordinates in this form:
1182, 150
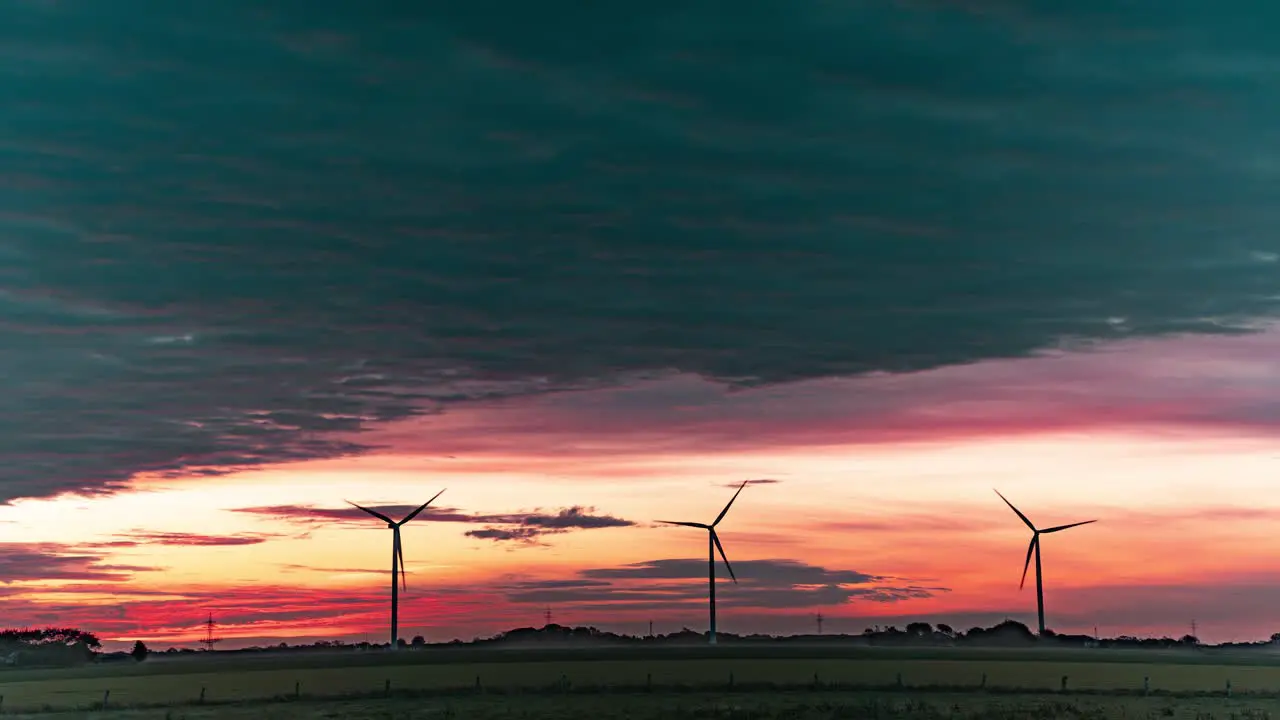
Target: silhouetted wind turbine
713, 544
1035, 547
397, 561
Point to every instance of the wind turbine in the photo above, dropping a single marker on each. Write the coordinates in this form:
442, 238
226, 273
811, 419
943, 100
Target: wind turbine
713, 544
397, 561
1035, 546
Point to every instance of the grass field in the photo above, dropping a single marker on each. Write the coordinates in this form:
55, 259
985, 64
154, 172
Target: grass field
600, 677
753, 706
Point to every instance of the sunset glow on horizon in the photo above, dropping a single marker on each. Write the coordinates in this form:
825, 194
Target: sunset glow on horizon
888, 530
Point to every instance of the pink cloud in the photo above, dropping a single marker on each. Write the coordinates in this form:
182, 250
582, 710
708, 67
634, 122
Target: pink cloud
1185, 384
40, 562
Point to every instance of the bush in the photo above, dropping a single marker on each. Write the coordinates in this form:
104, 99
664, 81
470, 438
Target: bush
139, 651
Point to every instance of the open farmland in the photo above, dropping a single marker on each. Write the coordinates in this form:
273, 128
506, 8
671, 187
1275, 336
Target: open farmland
740, 706
471, 676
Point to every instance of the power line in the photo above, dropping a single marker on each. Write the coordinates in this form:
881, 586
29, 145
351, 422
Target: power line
547, 616
819, 619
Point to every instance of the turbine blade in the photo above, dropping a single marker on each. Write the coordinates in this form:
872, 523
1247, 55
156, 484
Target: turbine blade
422, 507
700, 526
716, 539
374, 513
726, 507
1030, 549
404, 583
1024, 517
1064, 527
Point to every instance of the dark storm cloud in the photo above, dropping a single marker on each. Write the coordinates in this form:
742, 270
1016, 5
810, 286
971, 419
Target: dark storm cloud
761, 584
1192, 385
248, 227
523, 527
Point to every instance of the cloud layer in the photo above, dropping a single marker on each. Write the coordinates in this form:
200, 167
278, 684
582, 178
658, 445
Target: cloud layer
525, 527
44, 562
181, 539
248, 227
1194, 384
762, 584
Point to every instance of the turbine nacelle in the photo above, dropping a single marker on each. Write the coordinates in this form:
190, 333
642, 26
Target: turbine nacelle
392, 524
1035, 535
715, 539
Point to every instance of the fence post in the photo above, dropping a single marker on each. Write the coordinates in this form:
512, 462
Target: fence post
1146, 685
730, 679
386, 686
899, 680
201, 694
1064, 683
648, 682
984, 681
106, 696
1228, 687
816, 682
297, 689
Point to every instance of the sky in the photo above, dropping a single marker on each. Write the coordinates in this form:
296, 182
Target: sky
586, 267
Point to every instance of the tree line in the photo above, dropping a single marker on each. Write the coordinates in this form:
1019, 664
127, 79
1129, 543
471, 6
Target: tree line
56, 647
52, 646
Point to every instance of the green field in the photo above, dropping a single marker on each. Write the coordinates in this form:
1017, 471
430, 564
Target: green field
743, 706
448, 678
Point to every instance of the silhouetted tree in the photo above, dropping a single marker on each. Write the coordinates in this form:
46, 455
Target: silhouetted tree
45, 637
1193, 640
139, 651
946, 629
419, 641
919, 629
49, 646
1006, 633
